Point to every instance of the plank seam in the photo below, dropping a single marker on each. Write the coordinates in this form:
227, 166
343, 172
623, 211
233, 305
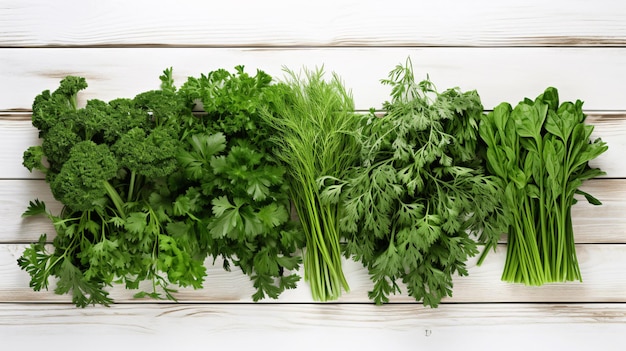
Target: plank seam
338, 46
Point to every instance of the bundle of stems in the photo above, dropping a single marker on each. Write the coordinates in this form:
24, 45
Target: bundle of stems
315, 123
541, 150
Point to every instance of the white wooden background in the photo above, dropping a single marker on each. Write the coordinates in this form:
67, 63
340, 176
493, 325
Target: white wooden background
507, 50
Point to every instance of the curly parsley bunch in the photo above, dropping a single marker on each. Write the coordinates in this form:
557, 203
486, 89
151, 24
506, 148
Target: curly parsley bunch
108, 164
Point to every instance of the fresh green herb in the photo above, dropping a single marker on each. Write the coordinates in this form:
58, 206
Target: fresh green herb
108, 164
314, 123
227, 167
411, 209
540, 152
150, 189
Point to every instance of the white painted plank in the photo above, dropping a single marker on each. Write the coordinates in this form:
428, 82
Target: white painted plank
315, 327
484, 313
611, 128
319, 23
498, 74
16, 195
605, 223
15, 137
602, 267
592, 224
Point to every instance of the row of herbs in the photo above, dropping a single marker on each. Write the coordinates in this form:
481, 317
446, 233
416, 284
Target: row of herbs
268, 175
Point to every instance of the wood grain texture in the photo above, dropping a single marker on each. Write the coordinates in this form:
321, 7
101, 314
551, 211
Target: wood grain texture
16, 195
505, 50
602, 267
593, 75
39, 23
592, 224
315, 327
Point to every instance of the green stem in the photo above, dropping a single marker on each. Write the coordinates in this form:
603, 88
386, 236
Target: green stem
131, 188
115, 198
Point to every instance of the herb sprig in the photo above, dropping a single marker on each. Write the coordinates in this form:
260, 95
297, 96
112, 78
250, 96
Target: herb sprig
314, 128
413, 208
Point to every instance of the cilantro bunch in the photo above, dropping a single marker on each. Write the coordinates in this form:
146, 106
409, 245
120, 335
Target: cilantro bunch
108, 163
419, 203
540, 152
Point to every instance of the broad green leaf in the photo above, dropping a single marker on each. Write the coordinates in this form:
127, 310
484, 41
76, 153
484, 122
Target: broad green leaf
568, 116
518, 177
219, 164
529, 163
221, 205
511, 195
529, 119
533, 191
136, 222
177, 229
228, 221
525, 123
288, 262
583, 151
538, 167
550, 97
554, 125
193, 167
208, 145
252, 225
592, 200
182, 205
497, 161
258, 187
487, 131
273, 215
500, 116
512, 160
264, 262
554, 157
528, 144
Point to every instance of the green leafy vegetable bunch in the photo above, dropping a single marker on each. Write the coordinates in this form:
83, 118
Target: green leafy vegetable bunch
108, 163
233, 191
314, 125
540, 152
419, 203
151, 187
